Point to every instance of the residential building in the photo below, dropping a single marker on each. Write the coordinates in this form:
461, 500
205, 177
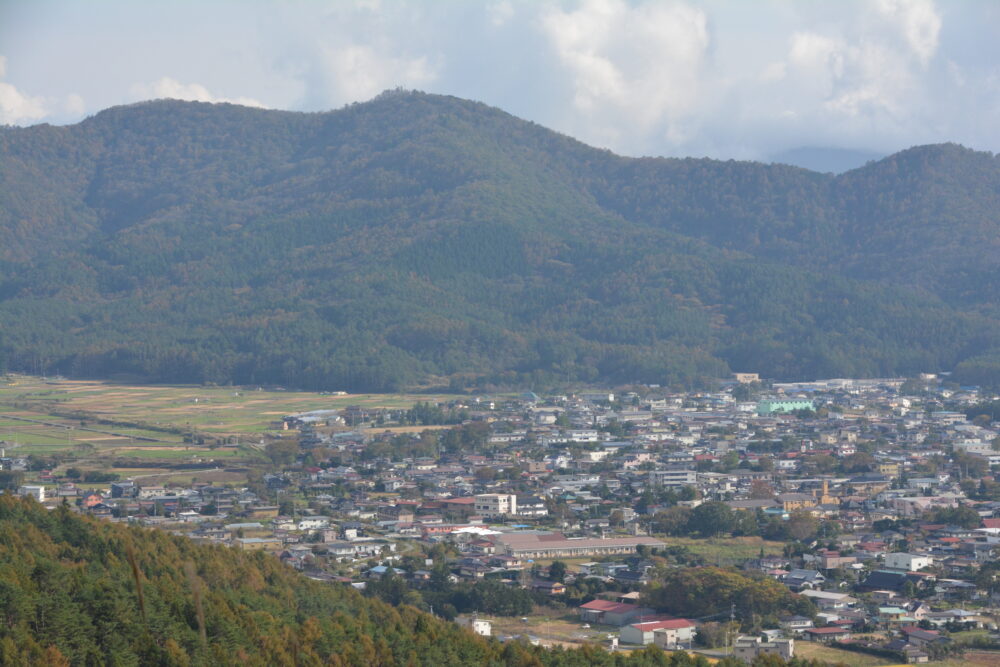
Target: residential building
643, 633
907, 562
748, 648
496, 504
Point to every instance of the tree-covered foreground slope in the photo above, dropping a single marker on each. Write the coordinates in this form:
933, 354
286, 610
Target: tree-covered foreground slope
68, 595
419, 236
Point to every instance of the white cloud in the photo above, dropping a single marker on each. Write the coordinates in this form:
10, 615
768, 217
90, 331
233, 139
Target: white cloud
917, 21
75, 105
168, 88
631, 67
17, 107
359, 72
674, 77
774, 72
500, 12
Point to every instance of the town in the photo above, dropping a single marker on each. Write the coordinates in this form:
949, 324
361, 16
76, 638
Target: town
816, 519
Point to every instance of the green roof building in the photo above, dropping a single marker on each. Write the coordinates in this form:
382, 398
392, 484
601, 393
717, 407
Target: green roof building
770, 406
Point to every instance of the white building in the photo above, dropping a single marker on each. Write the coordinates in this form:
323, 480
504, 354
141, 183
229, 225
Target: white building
36, 492
748, 648
674, 632
478, 625
672, 638
496, 504
313, 523
907, 562
672, 478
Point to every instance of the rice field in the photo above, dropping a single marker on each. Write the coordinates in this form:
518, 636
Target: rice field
218, 411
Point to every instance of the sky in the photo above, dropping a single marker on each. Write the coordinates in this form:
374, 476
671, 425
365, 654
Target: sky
743, 79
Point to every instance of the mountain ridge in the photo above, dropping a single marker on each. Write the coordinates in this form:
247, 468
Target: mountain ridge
418, 236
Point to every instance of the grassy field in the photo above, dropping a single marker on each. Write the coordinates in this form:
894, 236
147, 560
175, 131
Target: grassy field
728, 551
812, 650
552, 627
815, 651
219, 411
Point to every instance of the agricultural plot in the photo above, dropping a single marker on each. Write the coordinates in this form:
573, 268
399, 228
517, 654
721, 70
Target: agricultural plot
728, 551
217, 411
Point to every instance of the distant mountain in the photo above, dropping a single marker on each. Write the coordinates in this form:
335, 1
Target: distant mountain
419, 238
826, 159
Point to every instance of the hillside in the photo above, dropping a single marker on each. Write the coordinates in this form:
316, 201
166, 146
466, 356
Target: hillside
418, 237
68, 595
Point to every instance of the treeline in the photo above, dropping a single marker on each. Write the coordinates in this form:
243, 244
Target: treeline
489, 596
702, 592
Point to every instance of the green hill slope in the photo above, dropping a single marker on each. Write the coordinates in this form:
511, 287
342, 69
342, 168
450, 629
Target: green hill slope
68, 595
419, 236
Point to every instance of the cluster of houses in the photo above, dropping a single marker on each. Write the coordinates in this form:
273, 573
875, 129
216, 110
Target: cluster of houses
583, 476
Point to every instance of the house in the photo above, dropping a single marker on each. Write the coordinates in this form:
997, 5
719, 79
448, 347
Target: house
679, 635
611, 613
887, 580
892, 614
123, 489
911, 653
643, 632
920, 637
480, 626
493, 505
828, 601
550, 587
34, 490
796, 623
637, 577
800, 580
258, 543
828, 634
748, 648
531, 506
907, 562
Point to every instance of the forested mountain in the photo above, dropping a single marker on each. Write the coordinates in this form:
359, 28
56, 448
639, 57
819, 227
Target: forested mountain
419, 237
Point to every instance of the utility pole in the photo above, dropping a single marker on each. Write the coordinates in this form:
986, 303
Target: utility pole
732, 620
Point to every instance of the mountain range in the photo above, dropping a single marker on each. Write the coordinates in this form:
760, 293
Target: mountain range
421, 239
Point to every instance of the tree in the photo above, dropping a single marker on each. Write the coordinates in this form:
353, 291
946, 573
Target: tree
712, 518
557, 571
282, 452
688, 493
802, 524
672, 521
963, 516
11, 479
761, 490
704, 591
485, 474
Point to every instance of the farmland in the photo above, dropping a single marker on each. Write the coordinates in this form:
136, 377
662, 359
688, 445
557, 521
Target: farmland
156, 426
